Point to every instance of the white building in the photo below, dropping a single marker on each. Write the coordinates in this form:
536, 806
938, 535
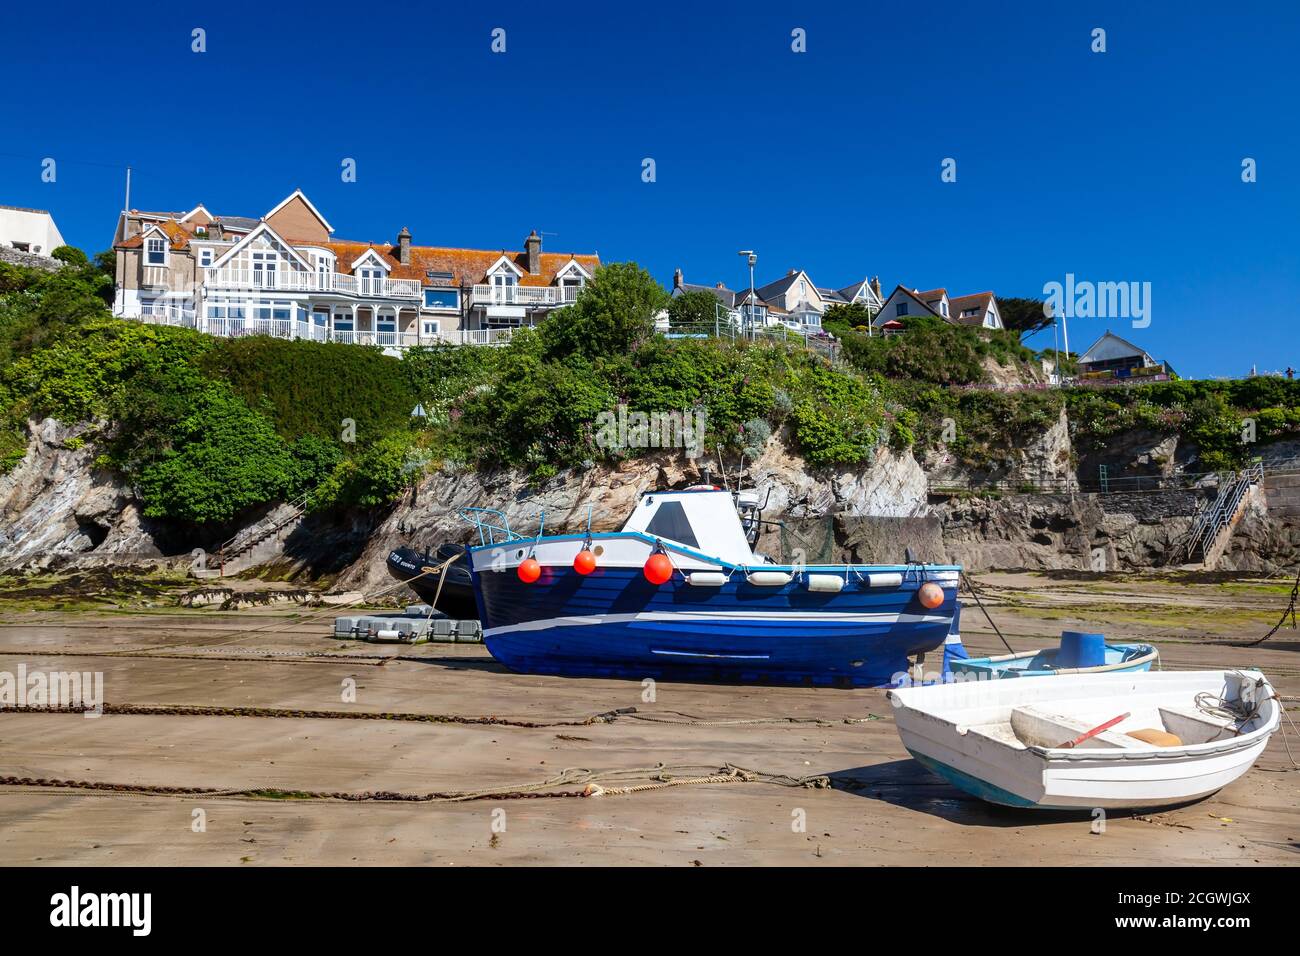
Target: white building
979, 310
29, 230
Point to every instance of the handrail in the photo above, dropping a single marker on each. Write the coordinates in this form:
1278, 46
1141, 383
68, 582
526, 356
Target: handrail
1205, 533
488, 530
258, 532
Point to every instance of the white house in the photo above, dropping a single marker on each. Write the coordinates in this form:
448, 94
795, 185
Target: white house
1113, 357
29, 230
979, 310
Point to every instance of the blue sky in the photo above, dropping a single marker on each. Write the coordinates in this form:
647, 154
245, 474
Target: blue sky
1119, 166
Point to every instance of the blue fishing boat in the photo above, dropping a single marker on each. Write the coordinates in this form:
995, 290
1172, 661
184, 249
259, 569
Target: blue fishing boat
679, 594
1078, 653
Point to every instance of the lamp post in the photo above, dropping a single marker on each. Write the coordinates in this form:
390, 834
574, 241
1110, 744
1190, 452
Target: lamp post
753, 260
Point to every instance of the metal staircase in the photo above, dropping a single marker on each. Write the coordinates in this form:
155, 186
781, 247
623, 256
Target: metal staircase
1213, 520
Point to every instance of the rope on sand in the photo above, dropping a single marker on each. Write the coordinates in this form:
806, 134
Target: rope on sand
660, 775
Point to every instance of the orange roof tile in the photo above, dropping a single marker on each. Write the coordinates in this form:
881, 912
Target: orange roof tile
467, 266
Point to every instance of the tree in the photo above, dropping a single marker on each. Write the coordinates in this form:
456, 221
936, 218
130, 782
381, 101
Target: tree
612, 316
847, 316
71, 255
1023, 315
697, 308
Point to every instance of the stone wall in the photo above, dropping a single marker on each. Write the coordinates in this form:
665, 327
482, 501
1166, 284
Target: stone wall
29, 260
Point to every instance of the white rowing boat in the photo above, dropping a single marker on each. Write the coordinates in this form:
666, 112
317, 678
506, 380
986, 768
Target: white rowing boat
1069, 741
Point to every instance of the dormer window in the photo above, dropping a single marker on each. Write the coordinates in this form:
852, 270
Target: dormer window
943, 309
155, 251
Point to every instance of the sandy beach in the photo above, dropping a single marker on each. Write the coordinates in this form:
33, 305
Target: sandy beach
880, 807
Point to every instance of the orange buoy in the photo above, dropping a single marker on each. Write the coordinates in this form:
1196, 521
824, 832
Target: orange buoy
930, 595
584, 562
658, 569
529, 570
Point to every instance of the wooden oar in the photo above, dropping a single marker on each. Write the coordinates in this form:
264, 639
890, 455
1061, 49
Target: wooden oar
1087, 734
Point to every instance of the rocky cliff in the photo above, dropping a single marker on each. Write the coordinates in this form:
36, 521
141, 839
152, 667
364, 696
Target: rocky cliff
58, 509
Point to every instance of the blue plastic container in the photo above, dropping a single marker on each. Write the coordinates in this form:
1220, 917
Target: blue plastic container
1079, 649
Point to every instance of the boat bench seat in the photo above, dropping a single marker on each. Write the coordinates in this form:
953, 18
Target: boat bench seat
1195, 726
1041, 728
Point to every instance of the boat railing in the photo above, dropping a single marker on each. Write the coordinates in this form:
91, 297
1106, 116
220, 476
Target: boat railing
493, 526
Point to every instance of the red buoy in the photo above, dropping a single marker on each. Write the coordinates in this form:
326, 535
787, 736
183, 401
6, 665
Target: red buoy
930, 595
658, 569
584, 562
529, 570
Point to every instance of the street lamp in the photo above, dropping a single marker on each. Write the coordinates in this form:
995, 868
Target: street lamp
753, 260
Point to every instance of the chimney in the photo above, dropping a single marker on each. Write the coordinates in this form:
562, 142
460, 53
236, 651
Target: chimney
875, 287
215, 231
719, 286
792, 272
404, 246
533, 247
677, 278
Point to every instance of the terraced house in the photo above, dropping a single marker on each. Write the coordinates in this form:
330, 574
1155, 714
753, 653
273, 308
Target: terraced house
284, 274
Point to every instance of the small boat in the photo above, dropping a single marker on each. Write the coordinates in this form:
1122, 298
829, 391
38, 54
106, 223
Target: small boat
1078, 653
413, 567
1115, 741
679, 593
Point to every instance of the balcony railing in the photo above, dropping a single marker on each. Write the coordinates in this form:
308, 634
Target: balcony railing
530, 296
288, 280
160, 313
294, 328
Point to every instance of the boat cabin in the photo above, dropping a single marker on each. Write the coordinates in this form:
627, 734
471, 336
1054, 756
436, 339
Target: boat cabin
702, 519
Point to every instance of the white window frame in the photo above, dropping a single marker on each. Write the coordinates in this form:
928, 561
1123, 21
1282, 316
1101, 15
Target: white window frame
263, 264
161, 250
454, 307
206, 257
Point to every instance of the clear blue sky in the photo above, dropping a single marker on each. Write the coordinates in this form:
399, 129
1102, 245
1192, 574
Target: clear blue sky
1122, 166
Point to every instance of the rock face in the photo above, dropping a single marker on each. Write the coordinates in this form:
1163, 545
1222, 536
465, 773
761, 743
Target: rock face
55, 503
57, 509
1045, 458
1116, 532
893, 485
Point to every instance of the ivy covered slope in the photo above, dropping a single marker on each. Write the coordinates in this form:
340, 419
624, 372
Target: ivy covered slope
205, 428
936, 371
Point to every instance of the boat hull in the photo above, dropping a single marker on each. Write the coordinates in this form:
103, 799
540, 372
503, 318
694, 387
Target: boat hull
615, 623
1078, 779
413, 567
1120, 659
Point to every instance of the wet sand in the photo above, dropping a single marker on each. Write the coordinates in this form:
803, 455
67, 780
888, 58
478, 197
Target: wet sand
882, 808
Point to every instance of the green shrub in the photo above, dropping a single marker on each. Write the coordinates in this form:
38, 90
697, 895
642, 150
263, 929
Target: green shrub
311, 388
225, 458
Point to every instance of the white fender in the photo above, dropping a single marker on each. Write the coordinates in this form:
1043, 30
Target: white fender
706, 579
768, 579
831, 583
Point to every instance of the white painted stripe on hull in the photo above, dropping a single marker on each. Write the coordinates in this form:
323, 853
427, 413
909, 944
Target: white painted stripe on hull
716, 617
